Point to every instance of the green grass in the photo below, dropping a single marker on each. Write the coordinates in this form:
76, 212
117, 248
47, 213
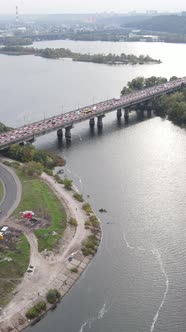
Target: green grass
38, 197
14, 269
1, 191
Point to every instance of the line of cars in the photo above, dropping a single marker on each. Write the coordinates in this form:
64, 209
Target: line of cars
40, 127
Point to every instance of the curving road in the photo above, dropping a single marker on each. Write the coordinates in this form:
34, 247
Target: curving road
12, 192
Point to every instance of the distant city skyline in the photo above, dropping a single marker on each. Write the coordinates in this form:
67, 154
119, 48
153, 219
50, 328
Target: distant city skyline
89, 6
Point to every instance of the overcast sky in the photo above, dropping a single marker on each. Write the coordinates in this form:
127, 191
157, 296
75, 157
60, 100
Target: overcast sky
87, 6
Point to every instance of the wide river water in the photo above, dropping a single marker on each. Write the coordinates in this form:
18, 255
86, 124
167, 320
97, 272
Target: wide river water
137, 171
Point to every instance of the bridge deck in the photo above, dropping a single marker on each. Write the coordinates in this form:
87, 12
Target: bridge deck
36, 129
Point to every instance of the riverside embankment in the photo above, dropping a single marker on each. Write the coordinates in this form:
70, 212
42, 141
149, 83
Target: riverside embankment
51, 270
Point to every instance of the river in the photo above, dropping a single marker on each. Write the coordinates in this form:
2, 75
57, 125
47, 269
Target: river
136, 171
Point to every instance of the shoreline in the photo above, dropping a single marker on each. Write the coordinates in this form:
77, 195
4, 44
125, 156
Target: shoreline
55, 265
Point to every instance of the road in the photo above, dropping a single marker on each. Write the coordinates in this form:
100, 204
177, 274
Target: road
12, 192
30, 131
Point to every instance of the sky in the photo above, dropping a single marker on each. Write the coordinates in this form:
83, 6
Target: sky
89, 6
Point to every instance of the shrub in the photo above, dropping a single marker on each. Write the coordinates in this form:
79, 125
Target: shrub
40, 306
87, 223
74, 270
48, 171
31, 313
89, 246
32, 168
58, 179
67, 184
94, 221
36, 310
53, 295
15, 164
73, 222
6, 163
87, 208
78, 197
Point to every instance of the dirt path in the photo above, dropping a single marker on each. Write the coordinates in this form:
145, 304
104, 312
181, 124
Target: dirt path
47, 268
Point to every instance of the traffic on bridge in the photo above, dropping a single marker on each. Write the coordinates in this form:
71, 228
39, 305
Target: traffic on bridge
29, 132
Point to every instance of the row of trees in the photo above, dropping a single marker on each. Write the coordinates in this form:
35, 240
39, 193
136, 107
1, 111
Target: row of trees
28, 153
140, 83
173, 105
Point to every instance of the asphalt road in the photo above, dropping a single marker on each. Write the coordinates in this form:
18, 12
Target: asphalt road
12, 193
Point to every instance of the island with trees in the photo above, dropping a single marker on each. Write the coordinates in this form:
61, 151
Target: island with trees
51, 53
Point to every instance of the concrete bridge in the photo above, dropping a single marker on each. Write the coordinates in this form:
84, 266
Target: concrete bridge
66, 121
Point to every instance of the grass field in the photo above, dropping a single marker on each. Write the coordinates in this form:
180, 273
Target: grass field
38, 197
10, 271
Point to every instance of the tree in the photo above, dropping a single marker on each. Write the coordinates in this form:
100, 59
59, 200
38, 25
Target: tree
136, 83
32, 168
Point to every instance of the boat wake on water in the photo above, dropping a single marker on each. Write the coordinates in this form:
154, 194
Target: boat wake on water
102, 312
157, 254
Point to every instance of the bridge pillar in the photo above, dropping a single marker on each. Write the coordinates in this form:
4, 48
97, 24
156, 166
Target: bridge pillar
100, 121
126, 114
92, 122
149, 113
22, 143
68, 132
119, 113
141, 112
60, 133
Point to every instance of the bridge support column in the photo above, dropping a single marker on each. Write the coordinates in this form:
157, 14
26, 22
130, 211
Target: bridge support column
68, 132
149, 113
100, 121
126, 114
141, 112
92, 123
60, 133
119, 113
22, 143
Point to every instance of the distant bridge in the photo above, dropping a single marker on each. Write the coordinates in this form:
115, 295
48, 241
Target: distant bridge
66, 121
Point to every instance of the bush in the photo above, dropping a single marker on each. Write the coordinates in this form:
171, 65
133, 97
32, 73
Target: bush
67, 184
15, 164
36, 310
74, 270
32, 168
87, 208
48, 171
73, 222
31, 313
87, 223
94, 221
58, 179
40, 306
90, 245
78, 197
7, 163
53, 295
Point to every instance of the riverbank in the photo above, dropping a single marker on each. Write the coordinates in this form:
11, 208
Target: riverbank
51, 270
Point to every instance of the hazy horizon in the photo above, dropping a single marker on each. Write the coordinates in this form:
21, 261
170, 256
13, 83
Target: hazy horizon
88, 6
